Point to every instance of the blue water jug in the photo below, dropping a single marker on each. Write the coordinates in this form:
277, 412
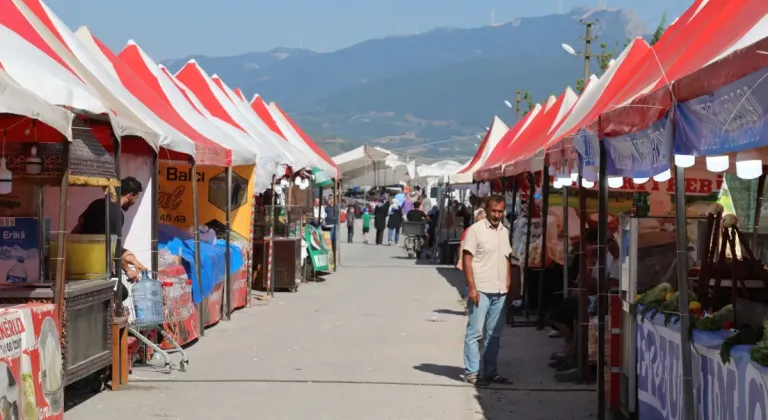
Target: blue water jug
148, 301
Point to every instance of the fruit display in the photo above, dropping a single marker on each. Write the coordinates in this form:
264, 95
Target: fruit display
759, 353
662, 300
717, 320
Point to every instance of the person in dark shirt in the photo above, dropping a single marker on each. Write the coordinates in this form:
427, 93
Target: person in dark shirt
93, 221
416, 214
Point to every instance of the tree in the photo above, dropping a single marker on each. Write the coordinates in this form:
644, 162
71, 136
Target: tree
527, 98
660, 29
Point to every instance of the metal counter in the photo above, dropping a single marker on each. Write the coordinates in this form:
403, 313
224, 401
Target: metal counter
86, 343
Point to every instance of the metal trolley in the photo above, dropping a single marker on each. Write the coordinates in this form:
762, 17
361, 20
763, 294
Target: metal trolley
175, 308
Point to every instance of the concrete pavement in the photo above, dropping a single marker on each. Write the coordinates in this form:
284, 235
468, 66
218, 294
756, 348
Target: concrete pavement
381, 339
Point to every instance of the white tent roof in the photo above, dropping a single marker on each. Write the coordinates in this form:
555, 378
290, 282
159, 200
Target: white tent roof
134, 118
16, 100
292, 136
46, 75
495, 133
243, 152
291, 155
357, 162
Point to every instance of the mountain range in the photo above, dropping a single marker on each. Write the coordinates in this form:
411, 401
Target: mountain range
427, 94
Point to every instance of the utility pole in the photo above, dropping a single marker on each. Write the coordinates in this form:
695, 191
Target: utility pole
588, 49
517, 106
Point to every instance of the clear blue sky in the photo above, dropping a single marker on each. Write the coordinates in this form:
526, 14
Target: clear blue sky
177, 28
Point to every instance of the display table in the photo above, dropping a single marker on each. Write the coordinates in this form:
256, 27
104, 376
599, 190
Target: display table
33, 382
738, 390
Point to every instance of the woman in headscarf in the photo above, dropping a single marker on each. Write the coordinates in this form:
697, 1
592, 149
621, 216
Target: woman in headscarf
394, 223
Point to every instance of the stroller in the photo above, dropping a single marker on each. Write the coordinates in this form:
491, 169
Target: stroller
414, 233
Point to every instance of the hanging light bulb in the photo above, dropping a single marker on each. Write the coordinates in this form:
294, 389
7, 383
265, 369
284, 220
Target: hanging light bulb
34, 164
6, 178
717, 163
586, 183
284, 183
663, 176
556, 184
297, 180
640, 181
615, 182
749, 165
575, 175
304, 184
685, 161
565, 180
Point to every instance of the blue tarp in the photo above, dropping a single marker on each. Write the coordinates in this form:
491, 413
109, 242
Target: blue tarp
211, 256
235, 255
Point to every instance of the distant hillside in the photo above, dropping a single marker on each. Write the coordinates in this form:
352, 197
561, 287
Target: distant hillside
409, 90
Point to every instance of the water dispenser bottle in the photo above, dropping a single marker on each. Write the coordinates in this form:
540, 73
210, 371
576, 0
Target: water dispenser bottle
148, 301
17, 273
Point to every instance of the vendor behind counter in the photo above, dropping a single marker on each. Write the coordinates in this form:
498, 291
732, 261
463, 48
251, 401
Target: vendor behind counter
93, 222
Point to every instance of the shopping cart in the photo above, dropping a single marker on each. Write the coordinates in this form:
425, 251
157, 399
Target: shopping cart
149, 308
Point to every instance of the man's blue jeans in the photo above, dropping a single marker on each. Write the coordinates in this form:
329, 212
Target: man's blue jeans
393, 235
484, 320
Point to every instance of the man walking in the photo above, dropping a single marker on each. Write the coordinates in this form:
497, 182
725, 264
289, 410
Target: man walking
485, 259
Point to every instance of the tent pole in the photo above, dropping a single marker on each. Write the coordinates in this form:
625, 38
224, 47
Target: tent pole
527, 251
602, 279
583, 326
336, 210
198, 271
540, 320
270, 256
566, 241
682, 279
154, 198
758, 210
61, 251
227, 306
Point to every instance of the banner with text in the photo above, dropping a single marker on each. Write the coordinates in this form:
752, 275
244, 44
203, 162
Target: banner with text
636, 155
176, 206
730, 120
725, 392
641, 154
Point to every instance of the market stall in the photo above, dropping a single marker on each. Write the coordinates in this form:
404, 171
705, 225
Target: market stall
31, 346
71, 271
228, 190
177, 207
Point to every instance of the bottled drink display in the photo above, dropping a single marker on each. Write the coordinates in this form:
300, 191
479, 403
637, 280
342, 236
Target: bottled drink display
17, 273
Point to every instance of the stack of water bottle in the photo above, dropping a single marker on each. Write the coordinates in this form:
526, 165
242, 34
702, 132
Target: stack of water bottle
148, 301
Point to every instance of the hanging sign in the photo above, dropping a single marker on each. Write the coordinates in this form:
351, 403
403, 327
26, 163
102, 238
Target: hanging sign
641, 154
588, 147
175, 198
636, 155
730, 120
